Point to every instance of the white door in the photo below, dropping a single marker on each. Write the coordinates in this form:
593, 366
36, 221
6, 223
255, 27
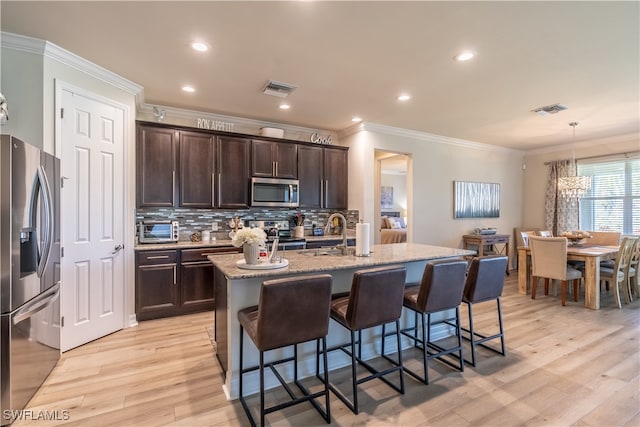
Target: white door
92, 214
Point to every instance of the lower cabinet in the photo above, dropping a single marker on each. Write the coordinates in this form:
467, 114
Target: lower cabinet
175, 282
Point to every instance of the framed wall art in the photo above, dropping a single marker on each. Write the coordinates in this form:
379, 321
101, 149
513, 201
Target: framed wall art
476, 200
386, 197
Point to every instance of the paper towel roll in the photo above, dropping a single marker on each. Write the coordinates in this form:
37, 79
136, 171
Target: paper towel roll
362, 239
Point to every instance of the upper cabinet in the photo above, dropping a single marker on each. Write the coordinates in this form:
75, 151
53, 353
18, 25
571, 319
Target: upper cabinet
156, 171
233, 172
178, 167
323, 176
274, 159
197, 154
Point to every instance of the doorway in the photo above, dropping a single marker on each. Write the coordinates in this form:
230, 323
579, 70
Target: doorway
393, 193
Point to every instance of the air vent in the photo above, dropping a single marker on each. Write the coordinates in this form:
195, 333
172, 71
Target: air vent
281, 90
550, 109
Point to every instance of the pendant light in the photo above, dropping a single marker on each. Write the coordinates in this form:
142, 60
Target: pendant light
573, 187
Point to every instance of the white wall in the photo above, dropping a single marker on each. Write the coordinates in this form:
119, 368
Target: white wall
435, 162
535, 175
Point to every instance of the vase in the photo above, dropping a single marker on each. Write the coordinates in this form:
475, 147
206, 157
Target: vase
251, 252
298, 231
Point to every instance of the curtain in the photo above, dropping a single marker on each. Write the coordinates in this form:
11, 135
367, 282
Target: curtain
560, 213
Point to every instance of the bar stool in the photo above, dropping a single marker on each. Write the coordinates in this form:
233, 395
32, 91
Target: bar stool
375, 299
290, 311
440, 290
485, 281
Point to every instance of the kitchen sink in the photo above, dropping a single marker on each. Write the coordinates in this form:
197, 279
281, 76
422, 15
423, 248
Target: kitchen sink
325, 252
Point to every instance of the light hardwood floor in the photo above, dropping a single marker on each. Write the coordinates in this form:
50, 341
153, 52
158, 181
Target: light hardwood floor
565, 366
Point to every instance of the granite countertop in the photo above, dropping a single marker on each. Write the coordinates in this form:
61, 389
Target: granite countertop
187, 244
301, 261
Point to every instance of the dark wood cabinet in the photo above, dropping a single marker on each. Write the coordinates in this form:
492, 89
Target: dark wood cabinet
197, 153
156, 284
323, 176
274, 159
336, 185
175, 282
233, 172
156, 166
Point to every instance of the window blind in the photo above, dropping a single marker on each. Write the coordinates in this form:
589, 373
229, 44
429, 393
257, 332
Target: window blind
613, 202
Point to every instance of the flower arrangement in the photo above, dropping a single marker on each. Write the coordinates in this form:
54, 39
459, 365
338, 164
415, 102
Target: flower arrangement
250, 236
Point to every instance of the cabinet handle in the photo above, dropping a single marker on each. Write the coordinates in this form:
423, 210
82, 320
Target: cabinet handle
175, 275
322, 194
158, 257
276, 163
326, 192
213, 186
173, 187
219, 195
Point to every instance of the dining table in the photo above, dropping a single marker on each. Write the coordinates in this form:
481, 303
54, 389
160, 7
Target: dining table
590, 255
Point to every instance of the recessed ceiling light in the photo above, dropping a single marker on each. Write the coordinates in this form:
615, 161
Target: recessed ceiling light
284, 106
404, 97
189, 89
356, 119
465, 56
200, 46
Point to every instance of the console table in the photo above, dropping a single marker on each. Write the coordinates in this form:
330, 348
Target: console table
482, 241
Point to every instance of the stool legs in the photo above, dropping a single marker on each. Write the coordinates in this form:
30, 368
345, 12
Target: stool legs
473, 335
438, 352
356, 359
307, 395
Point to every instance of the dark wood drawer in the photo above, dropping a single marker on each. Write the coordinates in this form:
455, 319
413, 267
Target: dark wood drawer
157, 257
201, 254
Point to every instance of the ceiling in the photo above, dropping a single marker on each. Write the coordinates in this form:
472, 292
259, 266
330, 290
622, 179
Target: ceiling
354, 58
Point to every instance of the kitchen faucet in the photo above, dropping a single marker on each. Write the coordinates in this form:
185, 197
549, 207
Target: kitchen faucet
343, 247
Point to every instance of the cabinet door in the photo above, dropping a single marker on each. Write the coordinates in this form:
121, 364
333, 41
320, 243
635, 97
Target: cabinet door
274, 159
233, 172
197, 159
196, 286
156, 166
336, 185
156, 291
310, 177
262, 162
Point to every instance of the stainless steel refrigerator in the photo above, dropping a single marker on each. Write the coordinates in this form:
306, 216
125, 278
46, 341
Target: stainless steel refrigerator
29, 272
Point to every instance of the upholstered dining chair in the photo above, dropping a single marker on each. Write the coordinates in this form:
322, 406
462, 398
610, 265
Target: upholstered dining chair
545, 233
604, 238
549, 261
617, 277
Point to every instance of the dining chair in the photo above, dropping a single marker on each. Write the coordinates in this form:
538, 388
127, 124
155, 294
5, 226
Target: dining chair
549, 261
525, 236
632, 270
545, 233
617, 277
604, 238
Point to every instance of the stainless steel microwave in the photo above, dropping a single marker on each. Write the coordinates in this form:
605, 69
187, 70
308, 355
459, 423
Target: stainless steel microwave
274, 192
158, 232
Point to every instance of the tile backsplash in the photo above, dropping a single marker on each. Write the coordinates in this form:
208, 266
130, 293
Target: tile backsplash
193, 220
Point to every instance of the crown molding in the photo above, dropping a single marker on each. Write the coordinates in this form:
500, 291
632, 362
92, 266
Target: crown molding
575, 146
49, 50
424, 136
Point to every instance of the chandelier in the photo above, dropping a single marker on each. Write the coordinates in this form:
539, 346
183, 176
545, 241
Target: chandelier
573, 187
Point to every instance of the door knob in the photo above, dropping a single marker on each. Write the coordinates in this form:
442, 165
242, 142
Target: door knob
117, 249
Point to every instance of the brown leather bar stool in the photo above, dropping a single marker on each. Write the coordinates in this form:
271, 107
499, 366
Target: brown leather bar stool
440, 290
290, 311
375, 299
485, 281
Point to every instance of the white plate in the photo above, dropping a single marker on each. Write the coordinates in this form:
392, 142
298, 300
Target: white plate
262, 265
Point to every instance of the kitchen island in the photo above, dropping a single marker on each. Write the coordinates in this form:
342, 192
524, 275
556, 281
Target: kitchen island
238, 288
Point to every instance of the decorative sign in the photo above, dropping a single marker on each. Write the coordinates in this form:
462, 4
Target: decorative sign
215, 125
317, 139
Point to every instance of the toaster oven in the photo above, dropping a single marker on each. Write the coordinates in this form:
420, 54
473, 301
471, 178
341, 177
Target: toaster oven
158, 232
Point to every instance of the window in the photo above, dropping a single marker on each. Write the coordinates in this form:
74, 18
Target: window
613, 202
